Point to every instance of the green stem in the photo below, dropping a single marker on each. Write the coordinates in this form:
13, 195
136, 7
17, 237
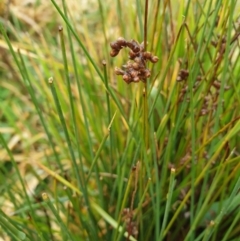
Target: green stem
97, 155
65, 129
145, 124
109, 111
60, 29
145, 25
145, 116
145, 104
168, 202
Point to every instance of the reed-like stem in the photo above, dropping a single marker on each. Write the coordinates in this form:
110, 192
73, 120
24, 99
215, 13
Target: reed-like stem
145, 97
145, 25
145, 120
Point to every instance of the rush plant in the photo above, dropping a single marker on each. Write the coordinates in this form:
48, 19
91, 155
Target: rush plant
87, 156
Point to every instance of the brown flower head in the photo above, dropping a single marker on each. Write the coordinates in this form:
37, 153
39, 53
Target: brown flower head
135, 69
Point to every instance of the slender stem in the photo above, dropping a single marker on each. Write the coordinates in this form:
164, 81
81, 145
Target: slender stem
65, 129
145, 25
168, 202
145, 115
145, 122
109, 112
76, 168
145, 104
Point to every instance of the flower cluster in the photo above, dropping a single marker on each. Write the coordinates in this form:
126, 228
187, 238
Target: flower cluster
135, 69
182, 75
131, 226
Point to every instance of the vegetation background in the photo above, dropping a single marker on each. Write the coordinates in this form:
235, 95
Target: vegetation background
85, 156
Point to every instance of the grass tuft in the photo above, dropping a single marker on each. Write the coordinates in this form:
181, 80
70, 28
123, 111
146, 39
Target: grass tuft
85, 155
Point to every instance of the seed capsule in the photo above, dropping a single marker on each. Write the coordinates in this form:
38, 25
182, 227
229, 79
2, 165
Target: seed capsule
114, 45
203, 112
119, 71
134, 46
133, 73
126, 78
114, 52
216, 84
147, 55
147, 73
136, 79
121, 41
135, 66
154, 59
138, 60
132, 55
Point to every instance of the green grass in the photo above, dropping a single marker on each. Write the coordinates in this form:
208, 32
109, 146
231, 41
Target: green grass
85, 156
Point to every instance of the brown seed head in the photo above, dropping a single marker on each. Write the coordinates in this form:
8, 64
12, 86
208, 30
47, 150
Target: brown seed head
135, 70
